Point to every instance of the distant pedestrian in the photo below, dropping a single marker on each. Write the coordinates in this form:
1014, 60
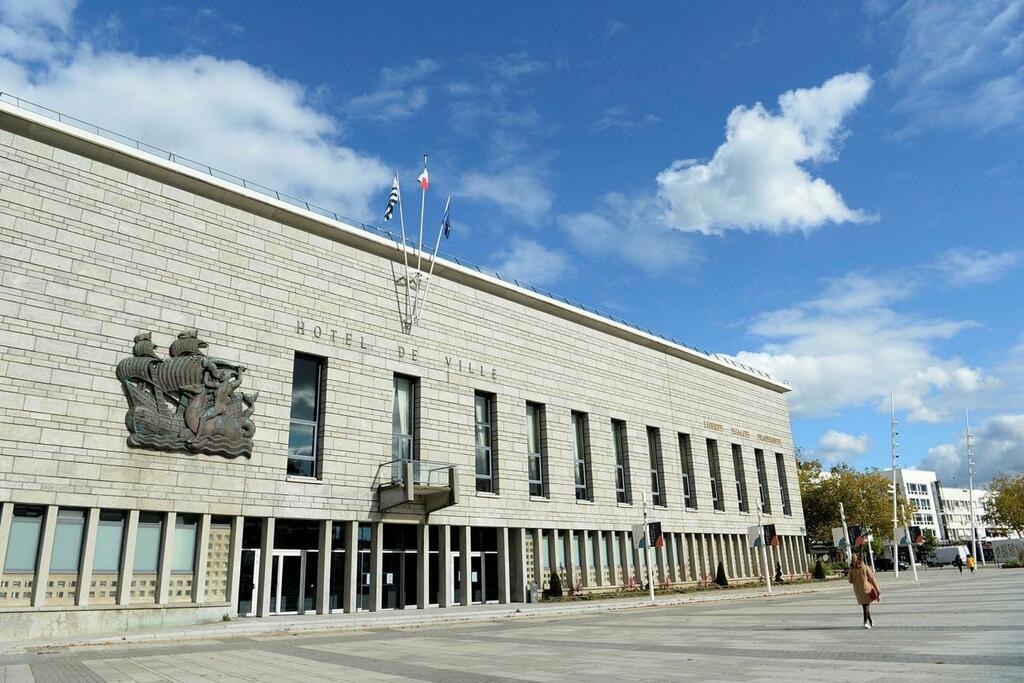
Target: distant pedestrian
970, 563
778, 572
865, 588
958, 563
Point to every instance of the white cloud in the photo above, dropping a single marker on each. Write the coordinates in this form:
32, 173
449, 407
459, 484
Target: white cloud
227, 113
835, 447
520, 191
35, 29
848, 347
961, 63
397, 97
622, 118
532, 263
998, 448
757, 179
972, 266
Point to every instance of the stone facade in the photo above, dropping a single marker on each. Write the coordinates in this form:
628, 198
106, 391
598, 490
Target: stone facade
99, 242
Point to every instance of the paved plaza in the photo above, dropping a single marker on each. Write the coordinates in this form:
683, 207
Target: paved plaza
948, 627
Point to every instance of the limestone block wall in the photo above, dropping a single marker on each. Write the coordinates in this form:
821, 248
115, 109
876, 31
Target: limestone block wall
98, 243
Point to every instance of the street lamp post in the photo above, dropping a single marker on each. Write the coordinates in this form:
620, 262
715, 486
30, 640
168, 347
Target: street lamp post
970, 484
895, 456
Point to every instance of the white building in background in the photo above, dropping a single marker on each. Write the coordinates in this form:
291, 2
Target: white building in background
955, 512
922, 490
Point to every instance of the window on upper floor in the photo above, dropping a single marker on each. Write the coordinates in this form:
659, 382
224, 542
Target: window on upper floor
535, 448
404, 418
67, 540
622, 482
686, 461
486, 462
717, 499
305, 425
581, 455
780, 465
742, 500
657, 469
762, 482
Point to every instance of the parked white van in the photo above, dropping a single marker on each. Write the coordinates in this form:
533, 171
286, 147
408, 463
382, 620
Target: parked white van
946, 555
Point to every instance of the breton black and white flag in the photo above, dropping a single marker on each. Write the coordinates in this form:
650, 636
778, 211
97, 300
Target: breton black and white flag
392, 199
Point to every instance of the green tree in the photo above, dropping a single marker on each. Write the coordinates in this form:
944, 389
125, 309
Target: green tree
865, 495
929, 545
1004, 506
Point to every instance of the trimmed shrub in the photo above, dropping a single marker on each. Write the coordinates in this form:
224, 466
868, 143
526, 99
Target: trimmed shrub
819, 570
720, 577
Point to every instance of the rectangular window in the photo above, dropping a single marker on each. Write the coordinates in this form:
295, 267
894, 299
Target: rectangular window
762, 482
147, 542
622, 483
109, 537
743, 502
486, 475
305, 425
657, 475
581, 449
717, 499
686, 459
183, 556
783, 484
23, 539
403, 419
535, 448
67, 540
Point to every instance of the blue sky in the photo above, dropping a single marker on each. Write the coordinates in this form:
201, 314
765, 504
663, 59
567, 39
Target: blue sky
827, 191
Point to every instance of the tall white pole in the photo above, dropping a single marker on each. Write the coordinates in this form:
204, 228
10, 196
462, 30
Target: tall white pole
647, 556
846, 535
433, 259
764, 551
871, 552
895, 519
970, 485
910, 545
423, 206
405, 254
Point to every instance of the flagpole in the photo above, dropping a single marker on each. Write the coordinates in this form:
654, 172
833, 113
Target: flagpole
423, 204
405, 248
433, 260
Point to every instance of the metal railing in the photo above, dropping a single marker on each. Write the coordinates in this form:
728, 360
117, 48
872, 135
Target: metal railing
350, 222
424, 472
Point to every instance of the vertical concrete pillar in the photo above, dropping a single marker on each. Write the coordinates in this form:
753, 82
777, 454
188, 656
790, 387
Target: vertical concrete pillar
446, 572
92, 522
626, 553
611, 540
552, 550
263, 606
670, 553
662, 575
730, 547
465, 553
163, 574
39, 587
538, 558
709, 556
202, 555
325, 538
600, 564
6, 517
235, 562
376, 566
517, 542
350, 600
422, 565
124, 582
504, 556
582, 541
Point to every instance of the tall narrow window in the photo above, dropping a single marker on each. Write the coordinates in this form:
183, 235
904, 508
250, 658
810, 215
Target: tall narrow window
67, 541
147, 542
23, 539
622, 484
762, 482
717, 499
657, 473
109, 537
486, 476
535, 448
780, 464
686, 460
742, 500
183, 557
581, 448
403, 420
305, 428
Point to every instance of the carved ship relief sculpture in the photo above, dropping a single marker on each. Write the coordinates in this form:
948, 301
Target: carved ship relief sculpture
187, 402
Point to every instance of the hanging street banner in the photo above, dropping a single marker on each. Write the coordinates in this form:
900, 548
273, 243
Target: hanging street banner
770, 537
754, 539
839, 538
640, 535
857, 535
916, 535
657, 539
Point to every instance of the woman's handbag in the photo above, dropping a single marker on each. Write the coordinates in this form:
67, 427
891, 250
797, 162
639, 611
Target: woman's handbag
874, 595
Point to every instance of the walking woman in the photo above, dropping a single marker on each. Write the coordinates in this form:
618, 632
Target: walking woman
865, 588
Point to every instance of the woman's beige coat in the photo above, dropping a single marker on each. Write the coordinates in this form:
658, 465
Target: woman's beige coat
863, 580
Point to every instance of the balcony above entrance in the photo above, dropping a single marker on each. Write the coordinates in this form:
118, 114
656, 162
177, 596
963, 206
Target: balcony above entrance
433, 485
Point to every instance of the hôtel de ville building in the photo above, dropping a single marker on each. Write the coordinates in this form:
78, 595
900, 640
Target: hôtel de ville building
214, 401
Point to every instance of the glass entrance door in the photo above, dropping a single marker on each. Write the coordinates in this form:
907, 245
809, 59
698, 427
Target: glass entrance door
247, 582
292, 584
